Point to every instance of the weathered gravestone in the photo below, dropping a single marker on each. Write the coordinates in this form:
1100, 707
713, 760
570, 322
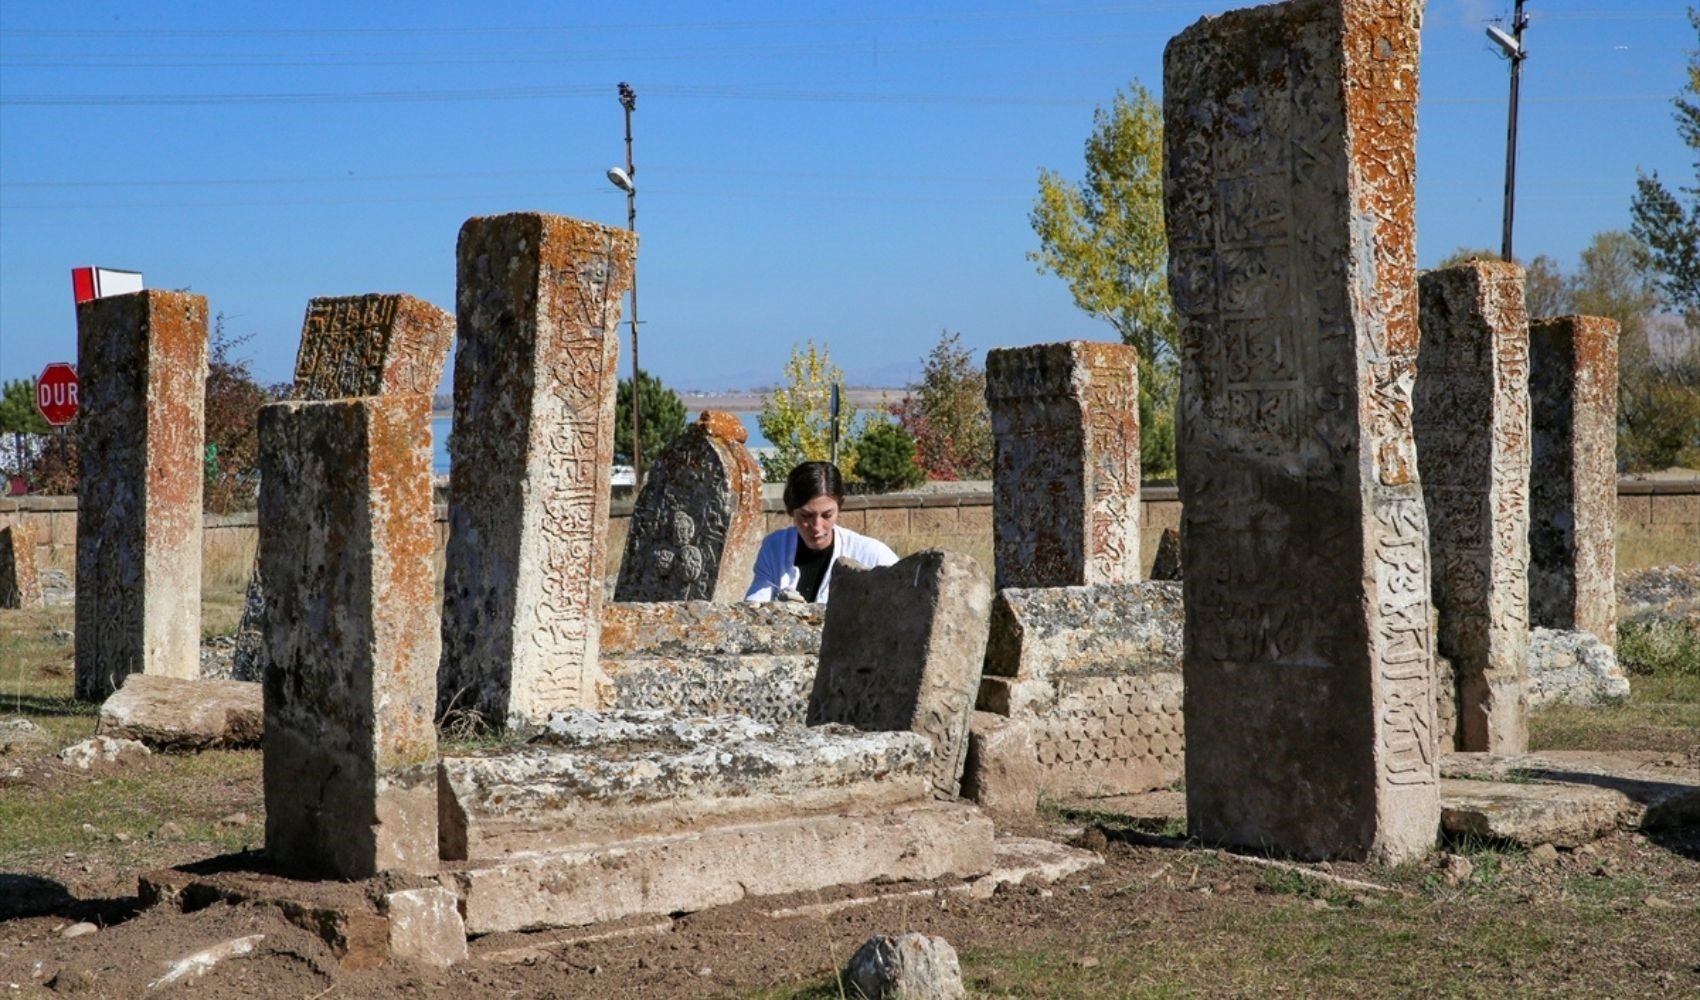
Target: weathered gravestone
1573, 475
698, 520
354, 345
346, 547
1470, 412
20, 586
1289, 138
902, 648
538, 304
142, 365
1065, 471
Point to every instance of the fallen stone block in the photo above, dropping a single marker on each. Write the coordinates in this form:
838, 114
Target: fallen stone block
904, 967
171, 713
1573, 668
698, 658
594, 778
1653, 795
425, 926
1095, 674
721, 865
902, 648
1530, 814
1001, 773
20, 733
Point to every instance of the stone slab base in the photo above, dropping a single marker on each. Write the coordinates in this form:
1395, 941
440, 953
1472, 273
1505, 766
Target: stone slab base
596, 778
719, 866
1650, 795
1529, 814
175, 713
341, 913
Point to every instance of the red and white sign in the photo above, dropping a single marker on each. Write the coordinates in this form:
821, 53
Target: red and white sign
56, 393
90, 283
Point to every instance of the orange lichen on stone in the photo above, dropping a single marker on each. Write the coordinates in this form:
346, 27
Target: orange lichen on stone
723, 425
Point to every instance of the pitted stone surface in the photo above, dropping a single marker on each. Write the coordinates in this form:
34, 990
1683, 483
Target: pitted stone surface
1471, 416
1095, 674
592, 777
1065, 470
20, 585
538, 307
1573, 477
719, 865
697, 523
903, 648
346, 549
355, 345
697, 658
1001, 773
142, 365
1289, 139
1573, 668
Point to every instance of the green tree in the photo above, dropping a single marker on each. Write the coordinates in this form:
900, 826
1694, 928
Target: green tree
886, 459
19, 418
946, 415
1669, 222
660, 410
1105, 237
796, 417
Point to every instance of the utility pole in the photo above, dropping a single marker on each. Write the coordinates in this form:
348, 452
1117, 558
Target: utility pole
628, 101
1512, 46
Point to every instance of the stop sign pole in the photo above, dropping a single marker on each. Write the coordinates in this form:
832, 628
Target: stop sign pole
56, 393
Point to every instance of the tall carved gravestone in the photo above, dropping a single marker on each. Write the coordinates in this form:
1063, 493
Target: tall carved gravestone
1573, 481
142, 365
1471, 416
347, 548
698, 520
902, 648
355, 345
20, 586
538, 303
1065, 472
1289, 137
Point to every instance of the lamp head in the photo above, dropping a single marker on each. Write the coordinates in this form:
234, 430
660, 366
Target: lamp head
620, 179
1510, 46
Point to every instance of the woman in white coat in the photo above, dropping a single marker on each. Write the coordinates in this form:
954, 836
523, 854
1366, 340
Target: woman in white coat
795, 563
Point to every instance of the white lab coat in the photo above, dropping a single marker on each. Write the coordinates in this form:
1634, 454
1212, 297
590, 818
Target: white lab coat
774, 563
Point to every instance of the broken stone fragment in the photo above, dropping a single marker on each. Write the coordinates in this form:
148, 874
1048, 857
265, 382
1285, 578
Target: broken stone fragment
103, 750
906, 967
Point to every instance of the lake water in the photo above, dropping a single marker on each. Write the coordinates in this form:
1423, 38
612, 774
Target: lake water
440, 440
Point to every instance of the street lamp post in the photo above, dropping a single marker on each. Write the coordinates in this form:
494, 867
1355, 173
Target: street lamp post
627, 181
1512, 46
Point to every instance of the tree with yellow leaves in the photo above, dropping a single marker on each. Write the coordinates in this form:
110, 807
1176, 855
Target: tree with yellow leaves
796, 417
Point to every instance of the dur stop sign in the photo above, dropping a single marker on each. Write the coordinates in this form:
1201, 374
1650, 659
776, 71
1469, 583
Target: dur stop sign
56, 393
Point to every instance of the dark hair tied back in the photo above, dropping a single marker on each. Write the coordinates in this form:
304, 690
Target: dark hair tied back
810, 480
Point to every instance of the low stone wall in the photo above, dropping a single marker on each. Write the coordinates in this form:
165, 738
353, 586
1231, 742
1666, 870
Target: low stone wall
1658, 524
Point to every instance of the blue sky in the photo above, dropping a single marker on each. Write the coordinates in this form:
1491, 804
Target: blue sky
855, 173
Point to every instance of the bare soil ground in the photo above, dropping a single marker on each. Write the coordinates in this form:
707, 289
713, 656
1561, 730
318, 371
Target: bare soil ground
1160, 918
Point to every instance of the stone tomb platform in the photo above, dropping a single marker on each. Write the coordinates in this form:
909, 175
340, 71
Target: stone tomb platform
593, 778
606, 816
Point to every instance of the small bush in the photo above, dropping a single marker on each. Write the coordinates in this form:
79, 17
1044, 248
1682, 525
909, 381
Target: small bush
886, 460
1668, 647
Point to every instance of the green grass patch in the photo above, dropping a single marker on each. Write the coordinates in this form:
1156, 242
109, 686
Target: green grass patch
1660, 647
35, 821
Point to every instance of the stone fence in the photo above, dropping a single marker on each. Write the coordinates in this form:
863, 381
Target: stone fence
1658, 523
